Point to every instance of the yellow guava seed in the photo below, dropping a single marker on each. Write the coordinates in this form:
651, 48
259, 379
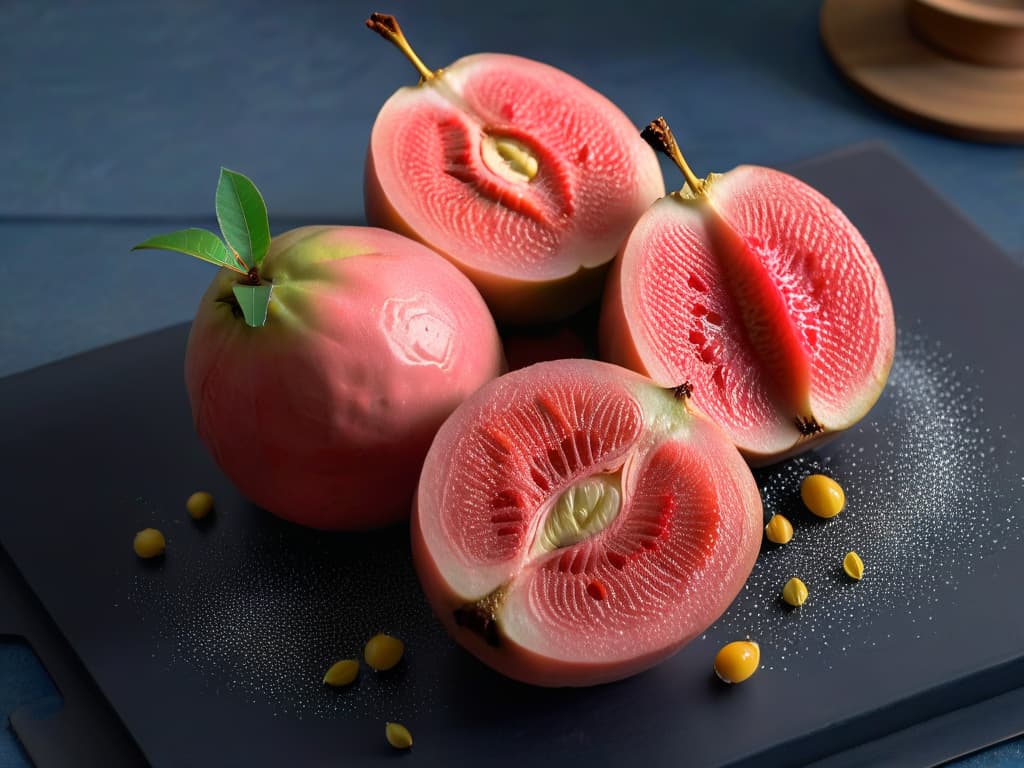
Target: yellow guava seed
342, 673
795, 592
779, 530
149, 542
822, 495
853, 566
398, 735
199, 505
382, 652
738, 660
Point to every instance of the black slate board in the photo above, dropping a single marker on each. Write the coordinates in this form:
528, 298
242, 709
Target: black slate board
212, 656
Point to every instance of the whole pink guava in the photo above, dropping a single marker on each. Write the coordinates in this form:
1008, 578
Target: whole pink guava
324, 414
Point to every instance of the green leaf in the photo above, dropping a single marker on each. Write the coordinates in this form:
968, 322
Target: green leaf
242, 215
254, 300
195, 242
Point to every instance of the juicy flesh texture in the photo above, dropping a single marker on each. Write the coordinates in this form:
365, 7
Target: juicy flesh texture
765, 298
665, 567
428, 178
323, 416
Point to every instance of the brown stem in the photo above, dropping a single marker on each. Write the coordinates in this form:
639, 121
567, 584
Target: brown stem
387, 27
659, 136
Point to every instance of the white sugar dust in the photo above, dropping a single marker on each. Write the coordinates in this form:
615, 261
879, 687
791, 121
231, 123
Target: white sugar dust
929, 481
267, 613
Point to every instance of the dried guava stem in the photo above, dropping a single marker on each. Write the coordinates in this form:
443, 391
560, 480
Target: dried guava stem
659, 136
387, 27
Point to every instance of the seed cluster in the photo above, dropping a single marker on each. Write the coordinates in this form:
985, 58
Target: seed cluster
922, 487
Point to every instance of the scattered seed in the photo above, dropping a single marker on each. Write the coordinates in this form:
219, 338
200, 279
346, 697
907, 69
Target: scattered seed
822, 495
342, 672
779, 530
149, 542
199, 505
795, 592
383, 652
398, 735
853, 566
738, 660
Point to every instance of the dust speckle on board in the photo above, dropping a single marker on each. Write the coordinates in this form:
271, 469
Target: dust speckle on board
925, 481
266, 614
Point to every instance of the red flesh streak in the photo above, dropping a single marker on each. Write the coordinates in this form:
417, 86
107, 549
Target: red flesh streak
554, 413
617, 560
597, 590
461, 162
509, 516
510, 497
538, 477
766, 321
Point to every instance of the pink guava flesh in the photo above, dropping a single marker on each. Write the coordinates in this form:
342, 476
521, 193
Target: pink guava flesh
537, 249
765, 298
620, 599
323, 416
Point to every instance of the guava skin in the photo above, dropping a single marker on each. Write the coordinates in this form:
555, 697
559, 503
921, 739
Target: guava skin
323, 415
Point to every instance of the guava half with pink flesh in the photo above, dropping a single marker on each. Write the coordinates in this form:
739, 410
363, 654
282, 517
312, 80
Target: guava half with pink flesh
524, 177
575, 523
762, 295
323, 415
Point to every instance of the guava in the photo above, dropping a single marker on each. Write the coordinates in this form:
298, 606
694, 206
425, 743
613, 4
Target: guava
576, 523
321, 363
757, 290
520, 174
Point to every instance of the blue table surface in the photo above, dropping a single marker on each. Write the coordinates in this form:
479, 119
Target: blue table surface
118, 115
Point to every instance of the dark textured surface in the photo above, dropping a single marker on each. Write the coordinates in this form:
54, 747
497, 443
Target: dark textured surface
144, 460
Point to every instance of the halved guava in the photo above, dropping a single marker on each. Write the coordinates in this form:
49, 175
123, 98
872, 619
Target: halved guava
576, 523
760, 294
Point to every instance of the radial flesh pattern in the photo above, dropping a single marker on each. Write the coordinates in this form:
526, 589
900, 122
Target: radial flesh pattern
575, 523
765, 298
450, 164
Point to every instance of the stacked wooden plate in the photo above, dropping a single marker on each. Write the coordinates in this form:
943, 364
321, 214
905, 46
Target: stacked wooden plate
953, 65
